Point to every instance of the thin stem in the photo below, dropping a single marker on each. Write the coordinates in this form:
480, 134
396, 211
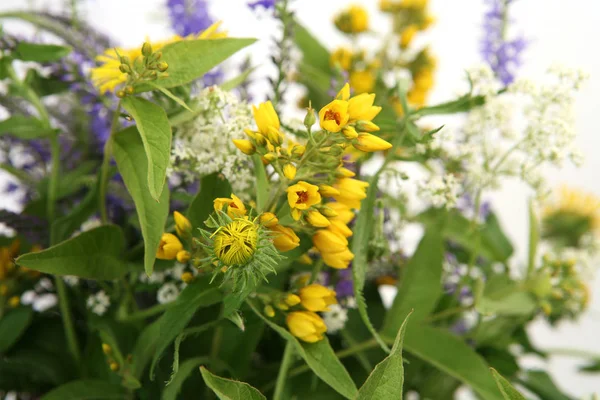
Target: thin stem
148, 312
286, 361
104, 171
54, 173
63, 302
316, 271
446, 313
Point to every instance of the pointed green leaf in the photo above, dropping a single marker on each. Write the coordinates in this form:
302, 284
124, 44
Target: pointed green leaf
320, 357
227, 389
387, 379
507, 390
171, 391
534, 238
420, 286
36, 52
23, 127
540, 383
211, 187
155, 132
189, 60
87, 390
94, 254
131, 161
12, 325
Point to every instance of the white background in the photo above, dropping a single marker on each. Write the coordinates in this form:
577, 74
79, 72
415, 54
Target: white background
559, 31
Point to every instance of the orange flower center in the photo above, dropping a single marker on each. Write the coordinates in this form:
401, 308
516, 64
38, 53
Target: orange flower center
302, 197
233, 205
331, 115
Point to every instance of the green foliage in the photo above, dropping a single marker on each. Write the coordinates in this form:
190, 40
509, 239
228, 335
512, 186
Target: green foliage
262, 184
129, 154
87, 390
211, 187
507, 390
501, 296
155, 132
540, 383
23, 127
387, 379
227, 389
13, 325
185, 369
36, 52
95, 254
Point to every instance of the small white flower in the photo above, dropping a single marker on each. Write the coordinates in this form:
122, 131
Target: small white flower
71, 280
351, 302
98, 303
167, 293
44, 284
335, 318
90, 224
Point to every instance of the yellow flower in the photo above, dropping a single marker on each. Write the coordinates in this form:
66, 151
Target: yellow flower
407, 35
316, 297
245, 146
362, 81
306, 326
344, 213
370, 143
182, 225
265, 117
269, 311
14, 301
317, 219
341, 57
305, 259
353, 20
339, 260
268, 219
168, 247
345, 172
235, 206
289, 171
107, 76
292, 299
366, 126
344, 93
352, 191
183, 256
327, 241
361, 107
187, 277
334, 116
235, 243
328, 191
284, 238
339, 227
349, 132
302, 196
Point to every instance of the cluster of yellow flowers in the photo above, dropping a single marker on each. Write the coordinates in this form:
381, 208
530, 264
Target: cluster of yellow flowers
10, 274
170, 247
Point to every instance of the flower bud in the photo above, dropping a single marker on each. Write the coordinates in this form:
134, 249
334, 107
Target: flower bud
124, 68
270, 157
310, 118
306, 326
289, 171
183, 226
146, 49
121, 94
349, 132
298, 150
317, 219
345, 172
114, 366
260, 139
245, 146
183, 256
284, 238
14, 301
305, 259
370, 143
124, 60
187, 277
269, 311
106, 349
328, 191
129, 90
268, 219
328, 212
162, 66
316, 297
274, 136
292, 299
168, 247
366, 126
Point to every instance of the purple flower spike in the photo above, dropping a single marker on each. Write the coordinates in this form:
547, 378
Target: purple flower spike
266, 4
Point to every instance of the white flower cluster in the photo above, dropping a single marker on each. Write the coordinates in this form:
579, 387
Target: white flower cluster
440, 191
335, 318
204, 145
98, 303
170, 281
517, 132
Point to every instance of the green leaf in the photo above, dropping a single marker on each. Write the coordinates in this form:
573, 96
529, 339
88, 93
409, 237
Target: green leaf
44, 86
314, 53
189, 60
238, 80
13, 325
171, 391
129, 153
320, 357
360, 247
23, 127
94, 254
26, 51
420, 286
211, 187
507, 390
387, 379
87, 390
494, 240
534, 238
517, 303
227, 389
155, 132
453, 356
170, 95
196, 295
144, 348
540, 383
262, 183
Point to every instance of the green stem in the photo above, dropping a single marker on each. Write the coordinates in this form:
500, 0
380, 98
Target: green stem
286, 361
54, 173
446, 313
316, 270
105, 168
63, 302
362, 358
148, 312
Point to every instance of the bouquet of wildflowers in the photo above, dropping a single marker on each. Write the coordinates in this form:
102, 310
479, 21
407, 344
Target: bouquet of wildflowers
175, 239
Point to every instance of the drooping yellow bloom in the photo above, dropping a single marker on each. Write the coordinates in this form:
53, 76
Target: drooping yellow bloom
306, 326
339, 227
341, 57
265, 117
235, 243
235, 206
352, 191
183, 256
339, 260
334, 116
327, 190
361, 107
292, 299
168, 247
245, 146
284, 238
107, 76
316, 297
362, 81
183, 225
370, 143
317, 219
407, 35
268, 219
289, 171
302, 196
327, 241
343, 212
353, 20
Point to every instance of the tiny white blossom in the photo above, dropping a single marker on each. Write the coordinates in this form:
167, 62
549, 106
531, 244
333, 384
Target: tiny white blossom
98, 303
71, 280
351, 302
90, 224
167, 293
335, 318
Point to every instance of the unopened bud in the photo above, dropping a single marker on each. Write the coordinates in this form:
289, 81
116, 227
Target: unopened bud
270, 157
298, 150
274, 136
129, 90
124, 68
245, 146
162, 66
328, 212
124, 60
146, 49
114, 366
269, 311
106, 349
310, 118
292, 299
183, 256
289, 171
187, 277
121, 94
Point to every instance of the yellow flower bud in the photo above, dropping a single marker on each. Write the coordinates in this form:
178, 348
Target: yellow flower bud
349, 132
366, 126
250, 133
340, 260
292, 299
187, 277
317, 219
106, 349
407, 35
316, 297
114, 366
146, 49
265, 117
245, 146
328, 191
289, 171
274, 136
328, 212
183, 256
344, 213
282, 306
14, 301
270, 157
345, 172
235, 243
330, 242
306, 326
168, 247
361, 107
298, 150
369, 143
183, 226
269, 311
284, 238
340, 228
268, 219
305, 259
